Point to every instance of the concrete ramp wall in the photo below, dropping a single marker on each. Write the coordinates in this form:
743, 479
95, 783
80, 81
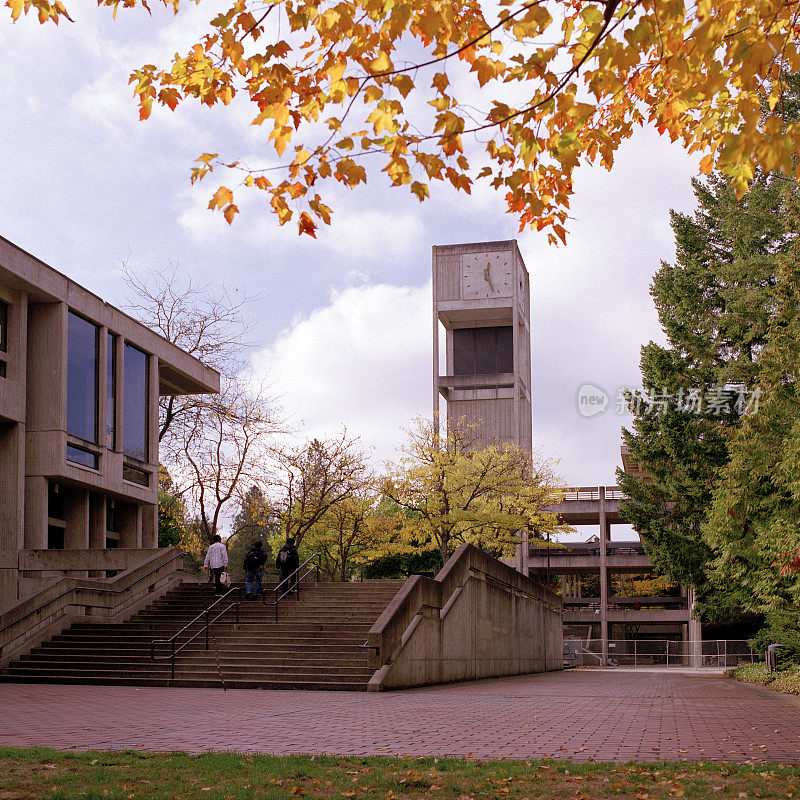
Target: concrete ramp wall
478, 618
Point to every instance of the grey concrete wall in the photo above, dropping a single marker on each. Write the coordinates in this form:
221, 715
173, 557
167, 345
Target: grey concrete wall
29, 622
477, 618
33, 423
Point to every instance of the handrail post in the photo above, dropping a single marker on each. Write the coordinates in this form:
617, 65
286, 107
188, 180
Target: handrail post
206, 629
172, 665
237, 612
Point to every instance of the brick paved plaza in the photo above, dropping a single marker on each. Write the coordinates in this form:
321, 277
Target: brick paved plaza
605, 715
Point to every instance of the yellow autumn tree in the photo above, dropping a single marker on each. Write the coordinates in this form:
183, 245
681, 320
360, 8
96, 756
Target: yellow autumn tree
352, 533
514, 93
454, 490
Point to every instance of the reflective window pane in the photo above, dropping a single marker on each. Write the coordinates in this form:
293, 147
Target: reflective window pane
135, 475
111, 390
134, 426
80, 456
81, 378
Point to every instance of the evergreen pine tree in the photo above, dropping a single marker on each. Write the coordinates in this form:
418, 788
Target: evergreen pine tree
754, 524
715, 305
252, 523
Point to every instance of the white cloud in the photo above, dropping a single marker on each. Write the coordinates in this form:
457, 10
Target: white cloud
373, 233
355, 232
104, 102
362, 361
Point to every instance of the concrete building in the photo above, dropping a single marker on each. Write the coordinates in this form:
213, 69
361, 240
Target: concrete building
79, 388
593, 612
481, 295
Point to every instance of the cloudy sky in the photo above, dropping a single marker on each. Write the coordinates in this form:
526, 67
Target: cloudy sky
342, 323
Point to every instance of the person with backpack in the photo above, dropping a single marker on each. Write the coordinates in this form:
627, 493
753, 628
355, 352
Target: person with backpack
254, 561
287, 563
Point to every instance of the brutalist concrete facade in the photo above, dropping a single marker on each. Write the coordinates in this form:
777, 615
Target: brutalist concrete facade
78, 459
481, 295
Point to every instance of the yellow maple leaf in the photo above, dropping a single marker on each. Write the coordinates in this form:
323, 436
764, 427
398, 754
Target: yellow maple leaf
16, 7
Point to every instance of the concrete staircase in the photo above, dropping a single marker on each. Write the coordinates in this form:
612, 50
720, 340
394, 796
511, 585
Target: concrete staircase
314, 645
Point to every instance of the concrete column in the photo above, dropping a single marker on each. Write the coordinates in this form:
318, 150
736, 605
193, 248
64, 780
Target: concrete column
46, 408
97, 521
603, 577
76, 534
435, 359
97, 527
35, 513
12, 450
12, 485
76, 515
517, 383
695, 631
149, 514
130, 527
12, 488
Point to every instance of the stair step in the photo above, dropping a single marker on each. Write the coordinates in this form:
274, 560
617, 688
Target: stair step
208, 683
187, 668
313, 645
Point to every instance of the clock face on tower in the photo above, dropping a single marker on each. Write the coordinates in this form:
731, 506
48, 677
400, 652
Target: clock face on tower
486, 275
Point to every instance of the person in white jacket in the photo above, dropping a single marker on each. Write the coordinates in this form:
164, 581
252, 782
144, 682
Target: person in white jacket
216, 561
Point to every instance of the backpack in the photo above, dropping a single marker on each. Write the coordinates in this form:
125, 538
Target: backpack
250, 561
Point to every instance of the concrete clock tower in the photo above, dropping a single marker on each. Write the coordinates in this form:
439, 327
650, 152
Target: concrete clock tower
481, 296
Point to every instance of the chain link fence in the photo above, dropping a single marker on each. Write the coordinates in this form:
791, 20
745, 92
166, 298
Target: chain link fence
720, 653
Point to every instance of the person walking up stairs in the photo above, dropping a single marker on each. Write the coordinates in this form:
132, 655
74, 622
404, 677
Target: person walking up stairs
287, 562
253, 564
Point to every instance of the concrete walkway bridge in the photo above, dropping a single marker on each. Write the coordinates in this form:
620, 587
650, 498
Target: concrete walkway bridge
600, 605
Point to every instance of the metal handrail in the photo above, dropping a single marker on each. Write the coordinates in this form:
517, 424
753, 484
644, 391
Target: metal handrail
89, 589
288, 581
208, 623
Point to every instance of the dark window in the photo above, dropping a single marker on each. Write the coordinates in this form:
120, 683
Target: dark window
55, 513
111, 516
81, 378
80, 456
3, 327
3, 336
111, 390
135, 475
483, 351
134, 427
55, 537
55, 502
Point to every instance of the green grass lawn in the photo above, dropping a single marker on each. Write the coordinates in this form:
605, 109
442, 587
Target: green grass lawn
56, 775
787, 680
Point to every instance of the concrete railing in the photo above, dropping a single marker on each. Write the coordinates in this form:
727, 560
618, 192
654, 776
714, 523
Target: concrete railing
39, 569
592, 493
477, 618
69, 600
